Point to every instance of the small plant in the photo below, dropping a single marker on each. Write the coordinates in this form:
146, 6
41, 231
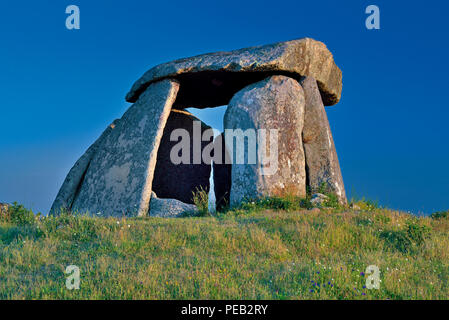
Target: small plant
413, 236
285, 203
331, 200
382, 218
323, 188
417, 233
397, 239
365, 204
19, 215
306, 203
201, 200
440, 215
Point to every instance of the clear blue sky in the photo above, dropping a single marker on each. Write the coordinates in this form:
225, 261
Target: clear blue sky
59, 88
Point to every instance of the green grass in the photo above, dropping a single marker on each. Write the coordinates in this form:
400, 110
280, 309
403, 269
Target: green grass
267, 249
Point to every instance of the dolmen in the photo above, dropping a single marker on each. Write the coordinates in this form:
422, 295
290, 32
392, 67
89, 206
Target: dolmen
276, 141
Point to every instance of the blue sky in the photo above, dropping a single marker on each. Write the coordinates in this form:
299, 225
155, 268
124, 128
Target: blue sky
60, 88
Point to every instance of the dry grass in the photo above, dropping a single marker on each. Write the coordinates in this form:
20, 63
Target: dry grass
251, 253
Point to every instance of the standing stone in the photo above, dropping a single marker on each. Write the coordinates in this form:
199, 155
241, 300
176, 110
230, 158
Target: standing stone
274, 103
120, 175
222, 175
179, 181
74, 179
322, 165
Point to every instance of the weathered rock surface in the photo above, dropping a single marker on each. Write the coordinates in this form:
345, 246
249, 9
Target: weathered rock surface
217, 76
179, 181
322, 163
319, 199
222, 175
72, 183
120, 175
276, 103
169, 208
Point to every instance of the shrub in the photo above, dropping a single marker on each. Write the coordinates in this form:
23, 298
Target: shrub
19, 215
306, 203
440, 215
397, 239
417, 233
332, 201
201, 200
407, 239
285, 203
365, 204
332, 198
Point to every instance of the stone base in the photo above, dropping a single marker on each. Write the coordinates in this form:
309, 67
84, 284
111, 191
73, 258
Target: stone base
169, 208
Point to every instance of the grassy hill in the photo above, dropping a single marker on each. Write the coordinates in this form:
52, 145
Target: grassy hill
272, 249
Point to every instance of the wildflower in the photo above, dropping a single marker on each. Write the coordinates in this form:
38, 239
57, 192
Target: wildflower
363, 294
362, 274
